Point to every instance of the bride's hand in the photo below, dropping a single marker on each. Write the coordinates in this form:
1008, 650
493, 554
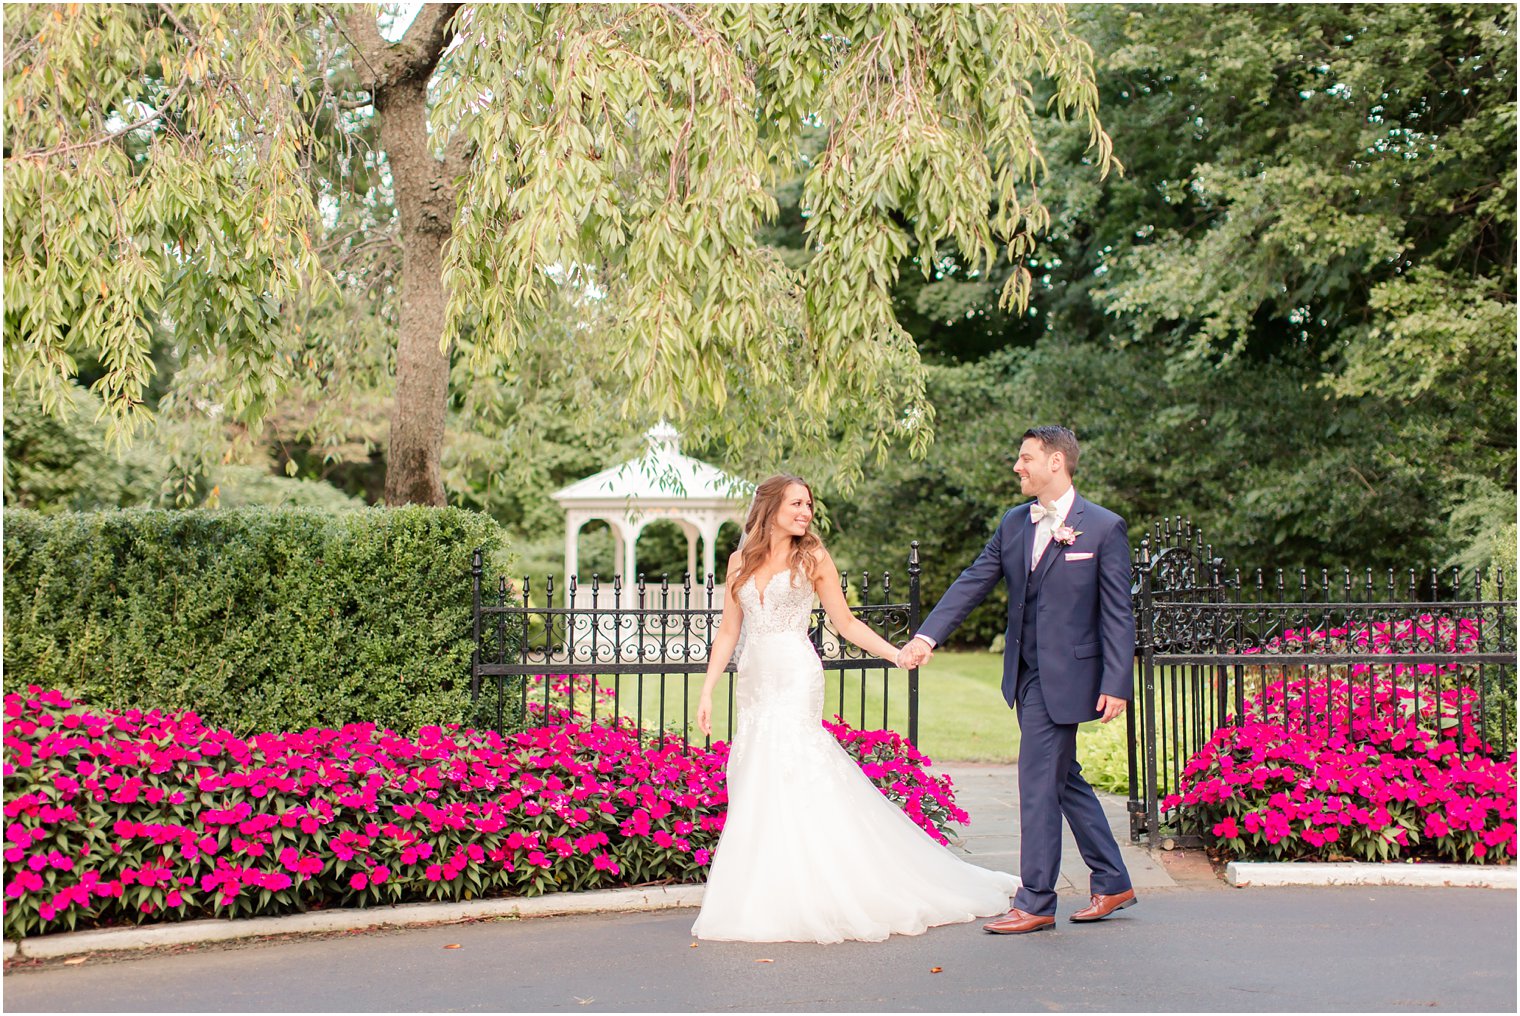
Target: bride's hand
704, 715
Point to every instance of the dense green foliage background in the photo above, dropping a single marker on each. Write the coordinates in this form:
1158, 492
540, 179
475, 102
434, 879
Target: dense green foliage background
256, 618
1291, 318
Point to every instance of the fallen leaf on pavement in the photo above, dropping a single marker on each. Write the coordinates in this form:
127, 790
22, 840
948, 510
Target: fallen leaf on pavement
453, 945
583, 1001
693, 945
935, 970
765, 961
74, 961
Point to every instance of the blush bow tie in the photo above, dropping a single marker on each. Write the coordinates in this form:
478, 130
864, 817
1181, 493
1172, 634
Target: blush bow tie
1038, 511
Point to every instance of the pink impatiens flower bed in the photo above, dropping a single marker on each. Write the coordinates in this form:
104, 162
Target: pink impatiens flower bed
1353, 770
1427, 633
122, 817
896, 767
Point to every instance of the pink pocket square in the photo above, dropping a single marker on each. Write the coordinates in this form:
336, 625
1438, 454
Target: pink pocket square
1078, 557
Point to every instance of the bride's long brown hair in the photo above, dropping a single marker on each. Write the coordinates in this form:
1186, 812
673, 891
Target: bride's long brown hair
755, 545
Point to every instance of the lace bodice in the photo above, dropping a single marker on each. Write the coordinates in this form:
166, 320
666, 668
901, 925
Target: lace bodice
784, 608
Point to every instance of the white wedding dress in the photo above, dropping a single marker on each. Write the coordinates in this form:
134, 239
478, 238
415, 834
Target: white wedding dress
811, 851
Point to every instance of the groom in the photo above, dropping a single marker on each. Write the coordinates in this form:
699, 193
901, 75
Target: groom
1069, 658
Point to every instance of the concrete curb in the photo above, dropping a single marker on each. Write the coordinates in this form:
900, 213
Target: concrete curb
403, 915
1469, 876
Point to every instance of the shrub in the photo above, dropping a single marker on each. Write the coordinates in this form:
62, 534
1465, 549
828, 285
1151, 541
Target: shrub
1360, 771
256, 618
1103, 751
62, 461
116, 817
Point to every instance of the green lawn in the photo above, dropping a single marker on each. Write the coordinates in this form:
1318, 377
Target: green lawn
962, 716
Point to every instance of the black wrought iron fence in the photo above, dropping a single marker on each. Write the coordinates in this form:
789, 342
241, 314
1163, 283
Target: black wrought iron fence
1218, 646
637, 654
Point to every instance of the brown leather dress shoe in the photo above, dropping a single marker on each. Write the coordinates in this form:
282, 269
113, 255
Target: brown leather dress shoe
1016, 922
1102, 906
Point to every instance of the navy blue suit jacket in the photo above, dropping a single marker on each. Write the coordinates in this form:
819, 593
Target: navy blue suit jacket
1086, 618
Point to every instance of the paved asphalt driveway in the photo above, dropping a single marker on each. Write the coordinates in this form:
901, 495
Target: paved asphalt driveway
1192, 944
1210, 948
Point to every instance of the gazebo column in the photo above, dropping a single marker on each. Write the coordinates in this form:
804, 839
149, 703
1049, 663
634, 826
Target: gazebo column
710, 527
573, 522
620, 544
692, 535
631, 557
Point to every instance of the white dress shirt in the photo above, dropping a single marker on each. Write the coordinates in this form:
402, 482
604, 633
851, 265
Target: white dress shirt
1046, 527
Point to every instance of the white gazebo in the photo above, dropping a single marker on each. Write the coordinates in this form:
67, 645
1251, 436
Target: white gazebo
662, 485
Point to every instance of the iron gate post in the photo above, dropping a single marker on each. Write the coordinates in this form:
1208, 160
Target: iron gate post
477, 567
1148, 682
914, 606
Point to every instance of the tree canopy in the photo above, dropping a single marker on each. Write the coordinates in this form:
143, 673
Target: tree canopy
185, 166
1292, 318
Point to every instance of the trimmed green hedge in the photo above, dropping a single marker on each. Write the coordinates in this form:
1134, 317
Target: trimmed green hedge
255, 618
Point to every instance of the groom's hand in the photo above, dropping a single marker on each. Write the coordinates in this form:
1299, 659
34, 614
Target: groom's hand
1110, 707
915, 654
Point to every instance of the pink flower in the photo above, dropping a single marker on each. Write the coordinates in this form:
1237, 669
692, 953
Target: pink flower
355, 795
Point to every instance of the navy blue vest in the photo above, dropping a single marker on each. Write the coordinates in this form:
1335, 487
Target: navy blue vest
1029, 641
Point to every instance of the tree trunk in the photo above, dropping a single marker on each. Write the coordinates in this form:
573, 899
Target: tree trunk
413, 468
424, 190
425, 202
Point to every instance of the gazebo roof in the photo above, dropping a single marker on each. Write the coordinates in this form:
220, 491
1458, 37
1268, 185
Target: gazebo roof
662, 476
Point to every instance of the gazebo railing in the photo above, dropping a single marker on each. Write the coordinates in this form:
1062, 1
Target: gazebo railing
637, 654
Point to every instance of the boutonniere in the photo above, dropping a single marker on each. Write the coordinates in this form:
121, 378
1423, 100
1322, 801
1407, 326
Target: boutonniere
1066, 535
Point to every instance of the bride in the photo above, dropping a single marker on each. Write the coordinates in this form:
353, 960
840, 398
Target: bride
811, 851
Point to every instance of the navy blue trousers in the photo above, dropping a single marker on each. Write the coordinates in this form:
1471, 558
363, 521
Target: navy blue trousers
1050, 786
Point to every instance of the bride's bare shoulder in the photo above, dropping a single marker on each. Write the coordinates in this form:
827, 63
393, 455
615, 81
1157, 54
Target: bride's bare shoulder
822, 564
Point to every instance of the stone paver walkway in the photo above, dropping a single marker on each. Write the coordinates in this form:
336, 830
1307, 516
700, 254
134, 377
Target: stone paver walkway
990, 794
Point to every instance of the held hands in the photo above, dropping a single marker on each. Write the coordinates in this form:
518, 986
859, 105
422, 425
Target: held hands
914, 654
1110, 707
